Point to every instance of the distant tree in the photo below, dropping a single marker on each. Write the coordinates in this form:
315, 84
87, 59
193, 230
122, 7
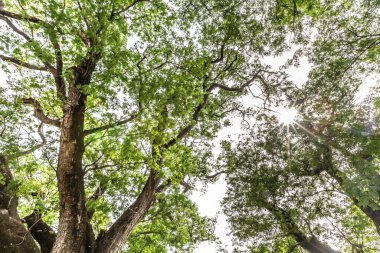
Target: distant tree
315, 181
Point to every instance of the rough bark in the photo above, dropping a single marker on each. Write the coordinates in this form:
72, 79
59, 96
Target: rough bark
114, 239
73, 224
14, 237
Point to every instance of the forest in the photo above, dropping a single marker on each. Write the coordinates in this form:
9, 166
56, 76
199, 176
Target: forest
111, 113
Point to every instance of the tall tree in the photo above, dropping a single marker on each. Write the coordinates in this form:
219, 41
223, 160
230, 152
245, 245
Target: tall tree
129, 93
287, 181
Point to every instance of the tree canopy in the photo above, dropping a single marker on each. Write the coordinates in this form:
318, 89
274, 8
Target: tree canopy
110, 109
311, 183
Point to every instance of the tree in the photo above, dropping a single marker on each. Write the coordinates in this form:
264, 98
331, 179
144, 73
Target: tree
287, 182
128, 93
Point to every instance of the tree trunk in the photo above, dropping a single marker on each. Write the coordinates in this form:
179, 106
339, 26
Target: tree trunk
71, 235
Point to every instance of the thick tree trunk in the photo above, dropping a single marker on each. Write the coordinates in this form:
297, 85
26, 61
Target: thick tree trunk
72, 227
14, 237
114, 239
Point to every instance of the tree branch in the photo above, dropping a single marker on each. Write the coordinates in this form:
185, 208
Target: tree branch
106, 127
20, 17
14, 28
221, 55
57, 72
114, 238
216, 174
97, 194
128, 7
242, 87
39, 113
41, 232
31, 150
23, 64
182, 133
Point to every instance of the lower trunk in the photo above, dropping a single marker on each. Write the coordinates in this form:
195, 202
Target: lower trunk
114, 239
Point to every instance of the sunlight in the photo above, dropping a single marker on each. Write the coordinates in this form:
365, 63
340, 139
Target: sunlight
286, 116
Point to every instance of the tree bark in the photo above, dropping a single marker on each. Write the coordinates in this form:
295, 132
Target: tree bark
41, 232
72, 227
114, 239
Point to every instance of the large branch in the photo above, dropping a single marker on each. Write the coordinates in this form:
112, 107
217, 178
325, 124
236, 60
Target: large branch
195, 117
41, 232
113, 240
58, 71
311, 244
109, 126
15, 28
23, 64
39, 113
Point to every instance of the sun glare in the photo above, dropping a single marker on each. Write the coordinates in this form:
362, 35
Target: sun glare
286, 116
